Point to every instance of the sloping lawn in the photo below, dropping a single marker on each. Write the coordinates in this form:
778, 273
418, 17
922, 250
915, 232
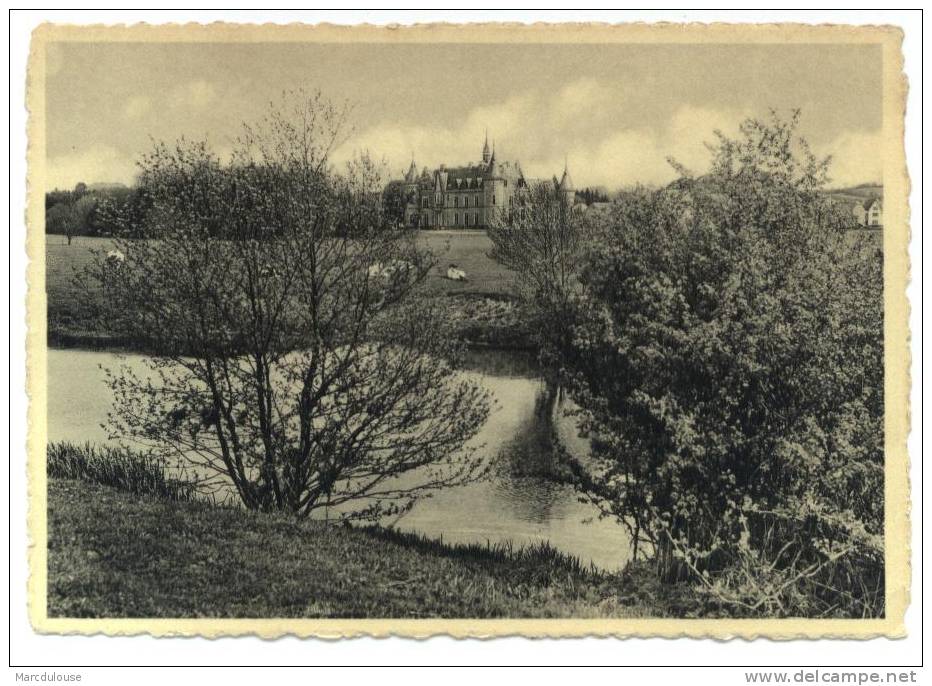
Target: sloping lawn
114, 554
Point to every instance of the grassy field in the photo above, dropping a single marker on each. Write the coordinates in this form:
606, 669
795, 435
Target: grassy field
71, 322
118, 554
469, 251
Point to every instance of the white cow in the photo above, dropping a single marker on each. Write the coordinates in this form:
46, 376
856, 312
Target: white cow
386, 271
454, 273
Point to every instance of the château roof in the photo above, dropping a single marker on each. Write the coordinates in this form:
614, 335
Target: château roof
468, 172
469, 176
412, 173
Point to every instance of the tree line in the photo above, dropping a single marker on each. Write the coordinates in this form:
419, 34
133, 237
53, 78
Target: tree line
588, 195
122, 211
98, 212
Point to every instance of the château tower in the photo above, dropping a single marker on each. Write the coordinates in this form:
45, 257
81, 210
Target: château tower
566, 186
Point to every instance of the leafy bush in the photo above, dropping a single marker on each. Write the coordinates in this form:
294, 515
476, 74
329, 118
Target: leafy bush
116, 467
728, 351
723, 337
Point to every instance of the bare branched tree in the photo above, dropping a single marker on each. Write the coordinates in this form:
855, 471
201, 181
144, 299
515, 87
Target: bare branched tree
294, 359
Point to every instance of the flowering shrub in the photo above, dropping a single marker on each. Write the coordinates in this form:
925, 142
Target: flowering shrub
727, 351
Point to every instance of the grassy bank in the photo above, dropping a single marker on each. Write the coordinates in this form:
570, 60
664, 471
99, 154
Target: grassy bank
117, 554
483, 309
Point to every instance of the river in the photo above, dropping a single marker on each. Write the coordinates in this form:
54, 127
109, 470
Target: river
515, 503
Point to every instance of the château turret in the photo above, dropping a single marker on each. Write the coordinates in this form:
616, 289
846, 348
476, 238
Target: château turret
566, 186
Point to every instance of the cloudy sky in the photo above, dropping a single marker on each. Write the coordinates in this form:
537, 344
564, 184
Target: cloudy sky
616, 112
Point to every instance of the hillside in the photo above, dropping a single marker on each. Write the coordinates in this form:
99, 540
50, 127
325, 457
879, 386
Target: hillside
859, 193
117, 554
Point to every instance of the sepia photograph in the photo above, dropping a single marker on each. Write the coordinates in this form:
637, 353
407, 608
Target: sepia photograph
474, 330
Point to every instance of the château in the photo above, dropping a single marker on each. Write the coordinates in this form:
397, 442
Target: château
469, 196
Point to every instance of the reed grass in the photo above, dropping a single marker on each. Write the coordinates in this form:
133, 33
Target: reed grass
120, 468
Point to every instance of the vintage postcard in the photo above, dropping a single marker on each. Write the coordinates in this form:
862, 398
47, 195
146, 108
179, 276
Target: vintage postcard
477, 330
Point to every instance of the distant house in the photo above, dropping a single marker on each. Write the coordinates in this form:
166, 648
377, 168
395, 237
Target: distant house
869, 212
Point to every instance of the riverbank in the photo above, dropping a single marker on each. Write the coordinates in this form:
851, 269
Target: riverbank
484, 320
117, 554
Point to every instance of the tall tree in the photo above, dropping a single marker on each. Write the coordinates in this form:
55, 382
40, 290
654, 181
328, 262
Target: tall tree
60, 220
288, 366
393, 202
84, 212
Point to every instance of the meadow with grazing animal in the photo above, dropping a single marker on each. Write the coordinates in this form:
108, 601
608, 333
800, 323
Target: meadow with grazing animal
483, 303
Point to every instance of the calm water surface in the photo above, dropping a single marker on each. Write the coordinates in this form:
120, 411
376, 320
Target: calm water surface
512, 504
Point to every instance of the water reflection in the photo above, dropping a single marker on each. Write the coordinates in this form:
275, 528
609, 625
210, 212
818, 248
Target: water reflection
529, 470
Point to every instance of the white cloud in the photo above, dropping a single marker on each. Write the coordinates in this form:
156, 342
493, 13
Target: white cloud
137, 107
626, 156
193, 95
102, 163
435, 145
585, 99
692, 128
581, 121
856, 158
542, 130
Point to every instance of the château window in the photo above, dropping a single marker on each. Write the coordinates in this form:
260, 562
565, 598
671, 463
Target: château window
456, 219
456, 202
